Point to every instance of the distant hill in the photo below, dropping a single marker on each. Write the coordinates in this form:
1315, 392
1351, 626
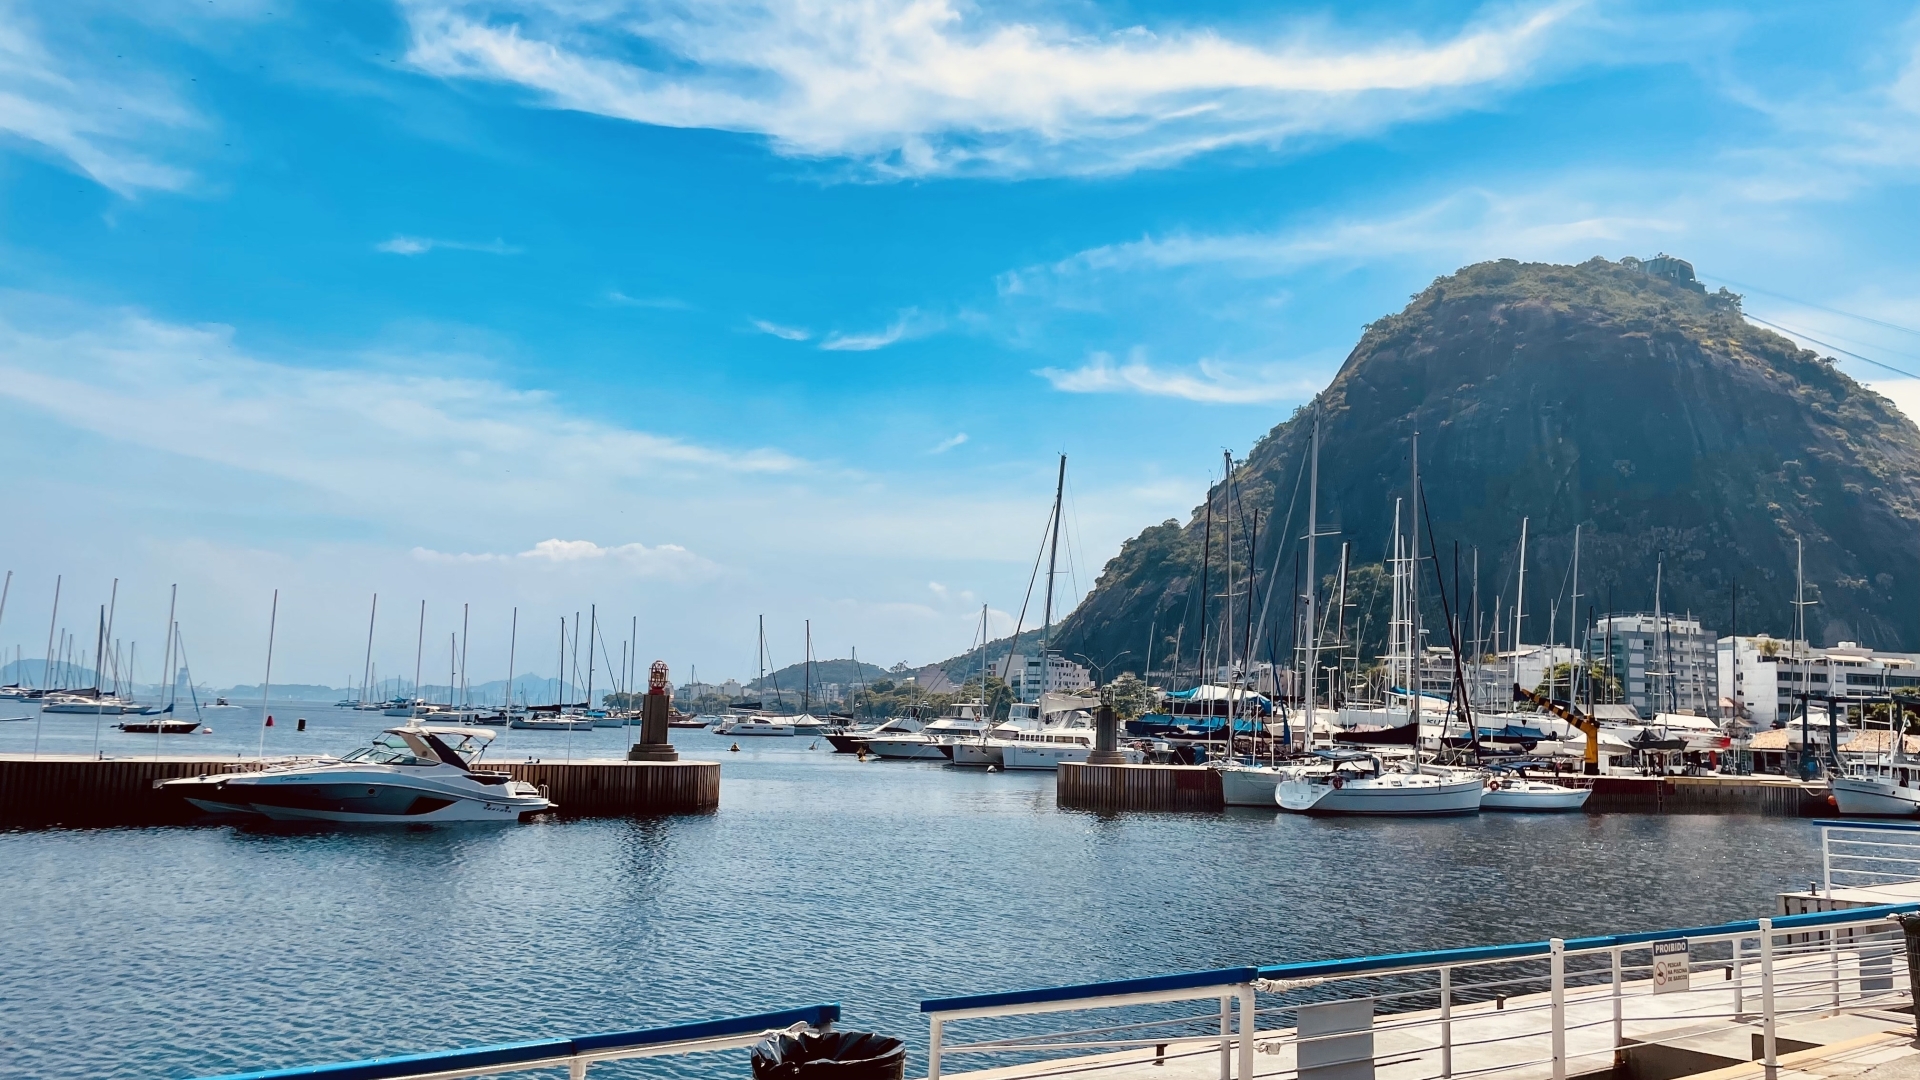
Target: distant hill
843, 672
1621, 397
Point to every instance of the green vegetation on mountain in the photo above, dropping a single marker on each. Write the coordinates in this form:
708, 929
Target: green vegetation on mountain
1621, 397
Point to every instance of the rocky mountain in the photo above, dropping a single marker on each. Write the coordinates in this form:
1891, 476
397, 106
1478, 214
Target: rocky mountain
1620, 397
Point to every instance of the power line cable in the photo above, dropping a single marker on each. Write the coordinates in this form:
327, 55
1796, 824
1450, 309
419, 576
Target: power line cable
1811, 304
1825, 345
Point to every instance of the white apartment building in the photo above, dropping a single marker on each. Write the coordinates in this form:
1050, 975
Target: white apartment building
1663, 664
1030, 676
1765, 674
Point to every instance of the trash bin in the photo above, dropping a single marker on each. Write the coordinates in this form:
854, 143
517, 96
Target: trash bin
834, 1055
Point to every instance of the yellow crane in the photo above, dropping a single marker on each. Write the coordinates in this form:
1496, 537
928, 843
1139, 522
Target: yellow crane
1591, 763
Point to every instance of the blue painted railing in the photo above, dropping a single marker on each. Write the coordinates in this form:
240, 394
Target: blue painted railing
505, 1057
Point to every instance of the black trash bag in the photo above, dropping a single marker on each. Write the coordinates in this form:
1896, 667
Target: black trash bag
835, 1055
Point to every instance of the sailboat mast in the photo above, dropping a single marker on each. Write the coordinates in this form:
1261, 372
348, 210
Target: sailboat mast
513, 640
1413, 593
806, 676
419, 653
366, 669
593, 632
1053, 557
1313, 592
464, 613
1573, 614
1519, 602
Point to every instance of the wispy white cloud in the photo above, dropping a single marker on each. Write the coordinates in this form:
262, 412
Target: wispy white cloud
661, 303
785, 333
910, 324
948, 444
1210, 382
928, 87
420, 245
365, 431
663, 560
104, 125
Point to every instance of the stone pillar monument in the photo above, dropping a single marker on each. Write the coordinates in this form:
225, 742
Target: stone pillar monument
1106, 737
653, 744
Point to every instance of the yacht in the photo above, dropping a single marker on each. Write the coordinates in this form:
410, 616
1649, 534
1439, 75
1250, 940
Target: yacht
986, 749
963, 721
533, 721
1358, 783
411, 774
852, 740
758, 724
1887, 787
1066, 740
1534, 796
88, 704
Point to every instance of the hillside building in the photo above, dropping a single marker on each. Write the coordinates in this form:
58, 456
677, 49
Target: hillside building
1663, 663
1030, 676
1764, 675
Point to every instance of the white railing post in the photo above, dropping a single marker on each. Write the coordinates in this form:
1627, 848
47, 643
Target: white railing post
1446, 1022
1617, 1038
1826, 861
933, 1047
1766, 999
1833, 963
1226, 1037
577, 1069
1557, 970
1739, 977
1249, 1026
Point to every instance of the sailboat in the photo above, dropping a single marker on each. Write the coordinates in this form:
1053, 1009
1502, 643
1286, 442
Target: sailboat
751, 720
806, 723
1250, 783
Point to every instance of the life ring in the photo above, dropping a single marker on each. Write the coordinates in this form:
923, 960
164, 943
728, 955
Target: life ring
1338, 783
1493, 785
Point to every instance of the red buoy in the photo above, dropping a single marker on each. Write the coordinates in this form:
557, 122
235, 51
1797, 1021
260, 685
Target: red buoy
269, 719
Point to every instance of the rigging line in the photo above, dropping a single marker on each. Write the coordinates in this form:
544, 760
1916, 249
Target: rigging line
1835, 348
1014, 642
1283, 541
1811, 304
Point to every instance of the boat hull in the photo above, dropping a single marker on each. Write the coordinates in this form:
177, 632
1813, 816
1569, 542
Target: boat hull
1372, 799
1250, 786
1863, 797
1535, 799
975, 753
355, 800
905, 749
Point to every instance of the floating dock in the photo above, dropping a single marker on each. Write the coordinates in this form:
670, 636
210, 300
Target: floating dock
81, 791
1196, 787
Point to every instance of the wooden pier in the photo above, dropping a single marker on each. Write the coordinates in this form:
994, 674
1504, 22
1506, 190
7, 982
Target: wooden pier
77, 791
1109, 788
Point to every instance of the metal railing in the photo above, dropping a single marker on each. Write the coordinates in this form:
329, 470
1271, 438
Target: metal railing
1864, 854
576, 1053
1524, 1008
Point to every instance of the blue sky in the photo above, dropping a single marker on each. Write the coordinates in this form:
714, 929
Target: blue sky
699, 312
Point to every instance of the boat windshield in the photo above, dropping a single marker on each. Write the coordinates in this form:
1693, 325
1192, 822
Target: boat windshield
389, 748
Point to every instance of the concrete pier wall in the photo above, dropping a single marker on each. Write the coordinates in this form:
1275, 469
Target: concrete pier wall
1196, 787
86, 792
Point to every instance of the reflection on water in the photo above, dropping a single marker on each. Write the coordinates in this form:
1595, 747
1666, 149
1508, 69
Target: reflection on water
179, 952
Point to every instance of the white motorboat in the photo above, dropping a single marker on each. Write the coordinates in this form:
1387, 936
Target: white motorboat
1364, 784
964, 721
412, 774
1535, 796
88, 705
550, 722
853, 740
755, 725
1066, 740
985, 749
1884, 788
